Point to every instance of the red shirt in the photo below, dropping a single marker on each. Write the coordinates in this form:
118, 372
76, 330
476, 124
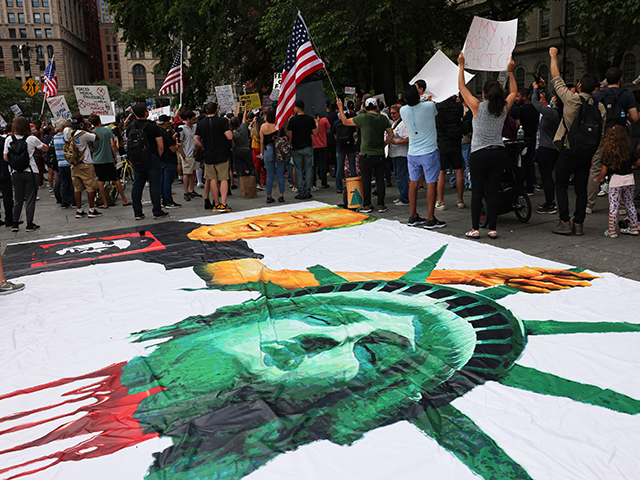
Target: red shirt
320, 140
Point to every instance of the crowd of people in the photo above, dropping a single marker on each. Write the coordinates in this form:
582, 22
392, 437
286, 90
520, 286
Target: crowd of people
415, 140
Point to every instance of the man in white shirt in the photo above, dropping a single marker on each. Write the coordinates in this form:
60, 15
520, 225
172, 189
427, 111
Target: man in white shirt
398, 149
83, 174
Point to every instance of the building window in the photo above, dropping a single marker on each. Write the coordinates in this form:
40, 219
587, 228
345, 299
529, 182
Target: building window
520, 74
569, 73
570, 22
21, 18
14, 51
109, 66
19, 3
36, 18
116, 66
133, 54
110, 74
545, 23
47, 18
42, 65
35, 3
159, 81
49, 51
629, 68
39, 51
522, 30
16, 66
109, 57
45, 3
141, 53
9, 3
1, 53
139, 75
115, 57
48, 33
38, 32
12, 18
23, 33
108, 48
118, 76
12, 33
543, 71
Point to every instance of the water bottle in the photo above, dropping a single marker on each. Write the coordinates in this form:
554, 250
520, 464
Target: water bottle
520, 133
622, 114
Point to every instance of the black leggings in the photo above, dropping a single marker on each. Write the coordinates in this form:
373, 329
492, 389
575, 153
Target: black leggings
486, 167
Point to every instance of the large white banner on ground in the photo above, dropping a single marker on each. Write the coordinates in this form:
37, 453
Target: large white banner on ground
226, 99
59, 108
93, 99
441, 75
489, 44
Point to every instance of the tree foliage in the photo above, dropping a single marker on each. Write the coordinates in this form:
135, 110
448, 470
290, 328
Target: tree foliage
11, 93
604, 30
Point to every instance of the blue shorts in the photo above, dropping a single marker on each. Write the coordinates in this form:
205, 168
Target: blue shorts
428, 164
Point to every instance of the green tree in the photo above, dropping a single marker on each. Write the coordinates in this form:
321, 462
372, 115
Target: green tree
605, 29
11, 93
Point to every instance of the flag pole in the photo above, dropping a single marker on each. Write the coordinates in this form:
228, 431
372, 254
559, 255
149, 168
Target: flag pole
181, 75
45, 89
316, 49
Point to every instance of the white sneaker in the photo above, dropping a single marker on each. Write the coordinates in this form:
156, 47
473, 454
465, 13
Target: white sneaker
200, 185
440, 206
589, 210
294, 189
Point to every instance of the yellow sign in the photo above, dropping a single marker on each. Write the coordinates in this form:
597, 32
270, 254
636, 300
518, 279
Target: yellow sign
253, 100
31, 87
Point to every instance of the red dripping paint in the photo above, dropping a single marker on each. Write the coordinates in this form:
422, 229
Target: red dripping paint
110, 418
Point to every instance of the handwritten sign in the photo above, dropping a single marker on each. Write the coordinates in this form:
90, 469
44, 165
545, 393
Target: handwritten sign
16, 110
226, 99
155, 113
3, 122
252, 100
441, 75
59, 108
489, 44
275, 94
93, 99
349, 90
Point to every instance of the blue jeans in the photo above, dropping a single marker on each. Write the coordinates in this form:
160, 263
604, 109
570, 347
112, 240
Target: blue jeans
152, 171
303, 161
466, 153
351, 158
65, 186
169, 172
273, 167
402, 177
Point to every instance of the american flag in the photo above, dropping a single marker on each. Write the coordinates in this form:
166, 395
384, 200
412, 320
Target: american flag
174, 82
300, 62
50, 85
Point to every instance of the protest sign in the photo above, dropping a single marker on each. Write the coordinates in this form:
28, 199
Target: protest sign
59, 108
503, 76
16, 110
312, 94
380, 97
155, 113
277, 81
3, 122
93, 99
226, 99
489, 44
349, 90
252, 100
275, 94
266, 101
441, 75
107, 119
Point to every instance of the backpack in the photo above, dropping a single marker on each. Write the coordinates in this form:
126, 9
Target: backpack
467, 123
283, 149
138, 147
344, 135
611, 102
586, 130
18, 154
72, 153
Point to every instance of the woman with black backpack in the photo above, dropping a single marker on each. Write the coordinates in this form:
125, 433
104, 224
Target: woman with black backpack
345, 147
18, 151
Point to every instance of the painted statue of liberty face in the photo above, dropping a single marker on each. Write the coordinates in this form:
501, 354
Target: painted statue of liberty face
302, 348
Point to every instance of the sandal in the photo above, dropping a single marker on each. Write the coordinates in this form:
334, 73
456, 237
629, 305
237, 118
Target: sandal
128, 204
493, 234
609, 234
473, 234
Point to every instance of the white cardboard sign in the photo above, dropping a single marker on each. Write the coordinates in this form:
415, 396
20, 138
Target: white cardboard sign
277, 80
349, 90
16, 110
93, 99
226, 99
154, 114
441, 75
59, 108
3, 122
489, 44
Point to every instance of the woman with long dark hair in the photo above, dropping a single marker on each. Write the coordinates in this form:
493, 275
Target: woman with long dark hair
488, 153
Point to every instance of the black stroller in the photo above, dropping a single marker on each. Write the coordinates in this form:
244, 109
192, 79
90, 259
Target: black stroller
511, 198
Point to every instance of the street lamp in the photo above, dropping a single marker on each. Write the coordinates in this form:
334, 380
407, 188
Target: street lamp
25, 52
